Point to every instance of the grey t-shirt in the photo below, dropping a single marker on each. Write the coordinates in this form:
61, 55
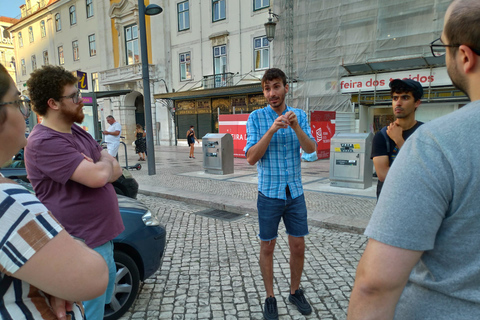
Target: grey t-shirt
430, 202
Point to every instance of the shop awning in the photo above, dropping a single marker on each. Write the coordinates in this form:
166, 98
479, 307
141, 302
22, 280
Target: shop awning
396, 63
214, 92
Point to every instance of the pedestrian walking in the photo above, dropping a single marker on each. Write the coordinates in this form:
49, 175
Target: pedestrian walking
191, 138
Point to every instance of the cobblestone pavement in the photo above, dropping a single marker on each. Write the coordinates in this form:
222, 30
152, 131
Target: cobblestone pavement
178, 173
210, 269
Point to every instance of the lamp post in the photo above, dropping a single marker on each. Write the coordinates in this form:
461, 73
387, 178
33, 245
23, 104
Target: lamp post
270, 25
150, 10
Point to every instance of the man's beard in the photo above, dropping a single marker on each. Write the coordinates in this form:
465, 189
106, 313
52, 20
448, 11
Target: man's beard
457, 80
74, 116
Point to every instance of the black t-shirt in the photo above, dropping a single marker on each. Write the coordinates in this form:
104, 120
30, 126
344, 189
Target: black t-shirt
379, 148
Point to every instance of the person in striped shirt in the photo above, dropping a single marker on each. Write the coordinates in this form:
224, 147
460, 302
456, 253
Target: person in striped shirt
274, 137
42, 268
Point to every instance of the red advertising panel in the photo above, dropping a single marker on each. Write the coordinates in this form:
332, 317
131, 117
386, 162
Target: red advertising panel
236, 125
322, 130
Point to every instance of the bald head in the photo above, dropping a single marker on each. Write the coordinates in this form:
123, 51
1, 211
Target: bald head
462, 23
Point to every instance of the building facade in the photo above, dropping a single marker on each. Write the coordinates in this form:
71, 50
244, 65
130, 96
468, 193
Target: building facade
218, 53
342, 55
7, 49
70, 34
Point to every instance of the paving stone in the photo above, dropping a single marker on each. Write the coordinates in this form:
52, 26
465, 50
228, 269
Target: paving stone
210, 269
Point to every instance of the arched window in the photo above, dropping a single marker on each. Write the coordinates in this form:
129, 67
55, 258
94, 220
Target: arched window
20, 40
58, 22
43, 31
73, 16
30, 34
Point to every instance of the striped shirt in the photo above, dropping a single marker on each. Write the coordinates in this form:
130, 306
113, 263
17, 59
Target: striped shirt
25, 227
280, 166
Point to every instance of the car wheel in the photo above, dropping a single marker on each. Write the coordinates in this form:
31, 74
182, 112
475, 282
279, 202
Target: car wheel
127, 282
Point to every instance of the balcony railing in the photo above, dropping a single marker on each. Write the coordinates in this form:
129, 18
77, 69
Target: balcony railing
125, 74
218, 80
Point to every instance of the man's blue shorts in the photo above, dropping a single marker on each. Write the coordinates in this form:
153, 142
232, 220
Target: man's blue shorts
271, 210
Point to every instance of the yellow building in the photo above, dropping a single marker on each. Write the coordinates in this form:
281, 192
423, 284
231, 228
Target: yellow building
7, 50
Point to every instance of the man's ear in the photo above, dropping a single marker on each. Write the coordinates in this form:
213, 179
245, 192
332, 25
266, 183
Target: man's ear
52, 103
417, 104
468, 58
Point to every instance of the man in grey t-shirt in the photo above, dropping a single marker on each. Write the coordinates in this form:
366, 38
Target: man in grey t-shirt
422, 259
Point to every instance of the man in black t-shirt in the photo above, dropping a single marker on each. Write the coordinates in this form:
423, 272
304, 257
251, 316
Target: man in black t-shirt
406, 95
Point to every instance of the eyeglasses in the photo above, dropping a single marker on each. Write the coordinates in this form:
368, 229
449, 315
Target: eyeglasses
438, 48
23, 104
76, 96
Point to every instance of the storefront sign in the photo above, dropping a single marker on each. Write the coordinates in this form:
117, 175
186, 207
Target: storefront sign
370, 82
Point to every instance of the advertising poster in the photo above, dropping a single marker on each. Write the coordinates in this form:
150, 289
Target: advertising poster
236, 125
322, 130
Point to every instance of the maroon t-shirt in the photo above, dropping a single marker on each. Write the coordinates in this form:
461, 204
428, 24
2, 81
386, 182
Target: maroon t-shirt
51, 157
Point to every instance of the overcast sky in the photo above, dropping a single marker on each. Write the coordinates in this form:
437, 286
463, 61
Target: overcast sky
10, 8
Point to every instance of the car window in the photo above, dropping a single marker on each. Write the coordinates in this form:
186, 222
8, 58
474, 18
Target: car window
15, 162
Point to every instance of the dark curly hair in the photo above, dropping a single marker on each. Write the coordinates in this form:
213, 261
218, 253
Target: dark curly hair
46, 83
274, 73
4, 87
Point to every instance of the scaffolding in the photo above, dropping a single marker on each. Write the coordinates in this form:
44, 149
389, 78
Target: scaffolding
315, 39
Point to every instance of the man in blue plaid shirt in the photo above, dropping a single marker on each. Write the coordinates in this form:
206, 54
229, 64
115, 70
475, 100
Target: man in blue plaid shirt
274, 137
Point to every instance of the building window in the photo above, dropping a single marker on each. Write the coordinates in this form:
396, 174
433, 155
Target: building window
89, 8
183, 16
95, 84
185, 68
218, 10
43, 30
73, 16
58, 22
131, 45
61, 58
34, 63
220, 65
20, 40
30, 34
45, 58
24, 68
91, 45
260, 4
75, 50
261, 49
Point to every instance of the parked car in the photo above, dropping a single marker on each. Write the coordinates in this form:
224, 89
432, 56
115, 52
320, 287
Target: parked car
138, 253
138, 250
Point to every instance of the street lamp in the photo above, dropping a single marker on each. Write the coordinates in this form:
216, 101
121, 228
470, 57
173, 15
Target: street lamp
150, 10
270, 25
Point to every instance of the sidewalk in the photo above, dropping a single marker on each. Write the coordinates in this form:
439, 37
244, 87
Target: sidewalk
180, 178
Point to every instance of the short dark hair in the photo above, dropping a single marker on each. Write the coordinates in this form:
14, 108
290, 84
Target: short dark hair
4, 87
463, 25
46, 83
111, 117
274, 73
191, 126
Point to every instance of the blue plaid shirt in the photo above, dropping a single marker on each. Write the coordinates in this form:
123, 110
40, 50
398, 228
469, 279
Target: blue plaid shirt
281, 164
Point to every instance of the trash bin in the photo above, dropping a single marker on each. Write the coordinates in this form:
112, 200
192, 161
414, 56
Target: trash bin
218, 153
350, 163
